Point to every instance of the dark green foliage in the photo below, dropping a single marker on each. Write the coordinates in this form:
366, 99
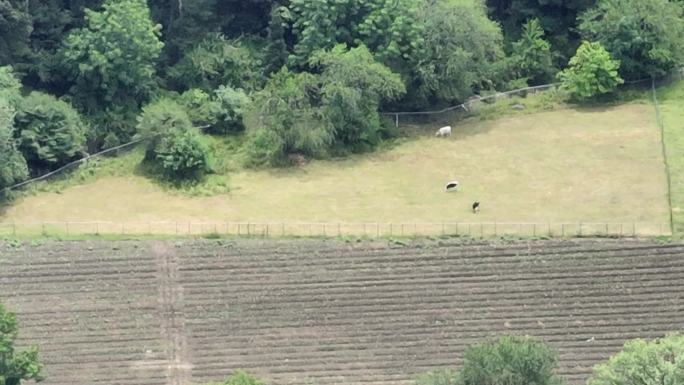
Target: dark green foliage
646, 36
509, 360
214, 62
229, 108
387, 27
592, 72
15, 366
51, 133
276, 55
265, 148
658, 362
10, 87
175, 148
531, 55
557, 18
199, 106
13, 168
288, 106
15, 28
112, 59
458, 56
353, 86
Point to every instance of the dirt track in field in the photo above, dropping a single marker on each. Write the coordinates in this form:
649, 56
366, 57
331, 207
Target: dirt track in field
308, 312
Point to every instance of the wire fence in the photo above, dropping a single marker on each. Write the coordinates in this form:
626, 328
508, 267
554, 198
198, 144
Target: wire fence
338, 229
468, 108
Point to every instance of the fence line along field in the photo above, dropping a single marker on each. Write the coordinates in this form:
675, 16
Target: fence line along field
312, 312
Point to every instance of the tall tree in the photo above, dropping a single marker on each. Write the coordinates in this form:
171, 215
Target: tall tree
531, 55
15, 366
386, 27
557, 17
15, 29
458, 54
646, 36
112, 59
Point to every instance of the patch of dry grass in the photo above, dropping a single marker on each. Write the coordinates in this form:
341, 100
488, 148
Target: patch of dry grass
564, 165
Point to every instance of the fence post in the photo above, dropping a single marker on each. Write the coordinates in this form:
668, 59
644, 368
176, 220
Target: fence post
396, 120
282, 229
123, 228
248, 230
66, 225
534, 229
563, 230
549, 228
44, 229
606, 229
495, 230
481, 230
176, 228
14, 228
580, 229
377, 229
149, 228
339, 229
267, 230
391, 229
634, 229
620, 230
97, 228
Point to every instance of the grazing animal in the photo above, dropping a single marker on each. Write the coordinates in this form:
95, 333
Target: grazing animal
452, 186
444, 131
476, 207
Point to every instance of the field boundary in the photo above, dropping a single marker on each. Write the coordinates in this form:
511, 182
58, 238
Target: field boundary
663, 147
337, 229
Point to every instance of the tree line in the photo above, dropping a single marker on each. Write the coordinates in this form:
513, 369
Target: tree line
303, 77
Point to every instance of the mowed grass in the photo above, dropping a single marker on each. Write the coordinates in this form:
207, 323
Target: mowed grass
672, 110
601, 165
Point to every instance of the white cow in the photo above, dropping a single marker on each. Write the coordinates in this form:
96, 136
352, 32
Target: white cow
444, 131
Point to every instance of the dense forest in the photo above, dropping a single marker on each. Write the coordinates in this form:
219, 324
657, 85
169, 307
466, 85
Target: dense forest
304, 77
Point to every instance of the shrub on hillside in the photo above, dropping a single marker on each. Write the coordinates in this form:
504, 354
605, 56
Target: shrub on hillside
658, 362
199, 107
13, 168
228, 108
592, 72
175, 147
509, 360
51, 133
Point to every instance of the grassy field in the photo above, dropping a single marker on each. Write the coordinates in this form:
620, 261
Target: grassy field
672, 111
560, 166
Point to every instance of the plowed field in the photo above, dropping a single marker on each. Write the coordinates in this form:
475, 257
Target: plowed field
308, 312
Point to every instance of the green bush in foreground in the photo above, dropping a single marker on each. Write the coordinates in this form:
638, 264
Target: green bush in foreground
15, 366
658, 362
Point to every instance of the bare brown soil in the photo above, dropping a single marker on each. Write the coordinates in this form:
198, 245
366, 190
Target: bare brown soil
312, 312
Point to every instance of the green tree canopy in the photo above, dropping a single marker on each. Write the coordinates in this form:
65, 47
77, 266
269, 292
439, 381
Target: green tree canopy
646, 36
531, 55
175, 148
353, 86
591, 72
460, 47
509, 360
51, 132
15, 366
13, 168
112, 59
658, 362
213, 62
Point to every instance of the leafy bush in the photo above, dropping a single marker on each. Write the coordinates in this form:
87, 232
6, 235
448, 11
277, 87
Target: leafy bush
112, 59
658, 362
242, 378
264, 147
353, 86
183, 154
288, 107
13, 168
51, 132
10, 86
532, 57
229, 108
214, 62
199, 106
591, 72
175, 147
646, 36
509, 360
16, 366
